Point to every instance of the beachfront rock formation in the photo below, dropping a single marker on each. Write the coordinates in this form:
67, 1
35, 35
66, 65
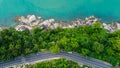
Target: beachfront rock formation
32, 21
28, 20
23, 27
111, 27
47, 22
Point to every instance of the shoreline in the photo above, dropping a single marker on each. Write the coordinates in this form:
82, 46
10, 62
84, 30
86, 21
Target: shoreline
32, 21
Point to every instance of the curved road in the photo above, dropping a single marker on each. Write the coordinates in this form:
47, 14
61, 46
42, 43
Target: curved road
46, 55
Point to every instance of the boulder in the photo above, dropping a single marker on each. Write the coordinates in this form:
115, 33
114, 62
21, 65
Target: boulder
31, 18
91, 20
47, 22
23, 19
23, 28
118, 25
39, 17
35, 23
105, 26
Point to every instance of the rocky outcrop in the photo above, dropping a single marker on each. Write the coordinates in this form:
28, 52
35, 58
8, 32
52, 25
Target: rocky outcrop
23, 27
87, 21
111, 27
32, 21
47, 22
28, 20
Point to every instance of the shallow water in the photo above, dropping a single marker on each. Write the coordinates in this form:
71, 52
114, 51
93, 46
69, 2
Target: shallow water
65, 10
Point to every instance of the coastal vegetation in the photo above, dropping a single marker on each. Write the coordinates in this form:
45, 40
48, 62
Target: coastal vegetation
92, 41
56, 63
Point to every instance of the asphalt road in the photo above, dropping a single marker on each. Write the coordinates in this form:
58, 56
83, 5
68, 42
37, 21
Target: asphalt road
46, 55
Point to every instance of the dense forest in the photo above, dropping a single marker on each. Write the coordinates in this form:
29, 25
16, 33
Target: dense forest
56, 63
93, 41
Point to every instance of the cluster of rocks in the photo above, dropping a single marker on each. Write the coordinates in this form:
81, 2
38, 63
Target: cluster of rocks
87, 21
111, 27
32, 21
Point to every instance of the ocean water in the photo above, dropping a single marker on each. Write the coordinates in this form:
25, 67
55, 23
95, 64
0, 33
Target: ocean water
64, 10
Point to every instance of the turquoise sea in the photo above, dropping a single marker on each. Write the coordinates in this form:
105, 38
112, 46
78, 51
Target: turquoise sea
65, 10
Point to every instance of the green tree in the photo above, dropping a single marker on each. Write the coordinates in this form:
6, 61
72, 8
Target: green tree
85, 51
55, 49
97, 25
36, 48
62, 42
110, 51
115, 42
97, 47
